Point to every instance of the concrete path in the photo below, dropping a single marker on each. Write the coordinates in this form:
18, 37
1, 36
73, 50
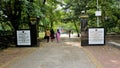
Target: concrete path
55, 57
65, 54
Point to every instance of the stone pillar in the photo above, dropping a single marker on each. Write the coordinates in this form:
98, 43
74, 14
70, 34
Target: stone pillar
33, 28
84, 32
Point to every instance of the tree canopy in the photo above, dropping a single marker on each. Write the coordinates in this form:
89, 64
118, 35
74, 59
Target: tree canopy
54, 12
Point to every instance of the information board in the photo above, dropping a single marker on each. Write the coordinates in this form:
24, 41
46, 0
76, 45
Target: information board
23, 38
96, 36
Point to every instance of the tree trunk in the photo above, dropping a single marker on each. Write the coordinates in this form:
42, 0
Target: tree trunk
44, 1
77, 29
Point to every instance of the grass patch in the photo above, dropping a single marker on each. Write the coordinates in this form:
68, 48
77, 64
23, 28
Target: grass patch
41, 34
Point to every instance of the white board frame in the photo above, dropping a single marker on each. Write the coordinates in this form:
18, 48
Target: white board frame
96, 36
23, 37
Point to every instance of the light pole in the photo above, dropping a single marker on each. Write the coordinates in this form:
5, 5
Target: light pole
98, 13
97, 16
97, 4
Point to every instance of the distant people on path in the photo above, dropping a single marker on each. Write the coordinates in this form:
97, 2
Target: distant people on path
47, 35
58, 35
69, 33
52, 35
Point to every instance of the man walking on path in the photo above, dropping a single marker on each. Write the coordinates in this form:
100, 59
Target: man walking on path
47, 35
69, 33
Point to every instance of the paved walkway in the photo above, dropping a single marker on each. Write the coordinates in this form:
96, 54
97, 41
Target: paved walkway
108, 55
65, 54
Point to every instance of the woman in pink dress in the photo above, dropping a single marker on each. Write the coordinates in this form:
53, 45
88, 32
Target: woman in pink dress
58, 35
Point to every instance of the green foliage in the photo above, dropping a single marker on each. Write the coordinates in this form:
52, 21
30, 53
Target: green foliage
116, 30
68, 26
19, 11
109, 9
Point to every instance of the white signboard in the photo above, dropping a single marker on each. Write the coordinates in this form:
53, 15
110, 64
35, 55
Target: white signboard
96, 36
98, 13
23, 37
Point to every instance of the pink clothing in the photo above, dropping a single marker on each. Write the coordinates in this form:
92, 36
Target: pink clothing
58, 36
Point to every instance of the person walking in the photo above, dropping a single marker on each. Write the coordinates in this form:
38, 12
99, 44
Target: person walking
58, 35
52, 35
47, 33
69, 33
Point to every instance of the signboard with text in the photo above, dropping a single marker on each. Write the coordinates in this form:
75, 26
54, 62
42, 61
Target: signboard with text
96, 36
23, 38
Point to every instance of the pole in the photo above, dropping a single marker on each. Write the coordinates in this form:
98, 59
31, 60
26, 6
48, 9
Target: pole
97, 4
97, 16
97, 21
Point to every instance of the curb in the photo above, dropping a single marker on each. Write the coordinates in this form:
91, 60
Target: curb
114, 44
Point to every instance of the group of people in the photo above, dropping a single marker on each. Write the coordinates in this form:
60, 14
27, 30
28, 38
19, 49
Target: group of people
50, 34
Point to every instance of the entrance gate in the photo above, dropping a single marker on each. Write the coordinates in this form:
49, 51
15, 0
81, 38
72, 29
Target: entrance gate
91, 36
